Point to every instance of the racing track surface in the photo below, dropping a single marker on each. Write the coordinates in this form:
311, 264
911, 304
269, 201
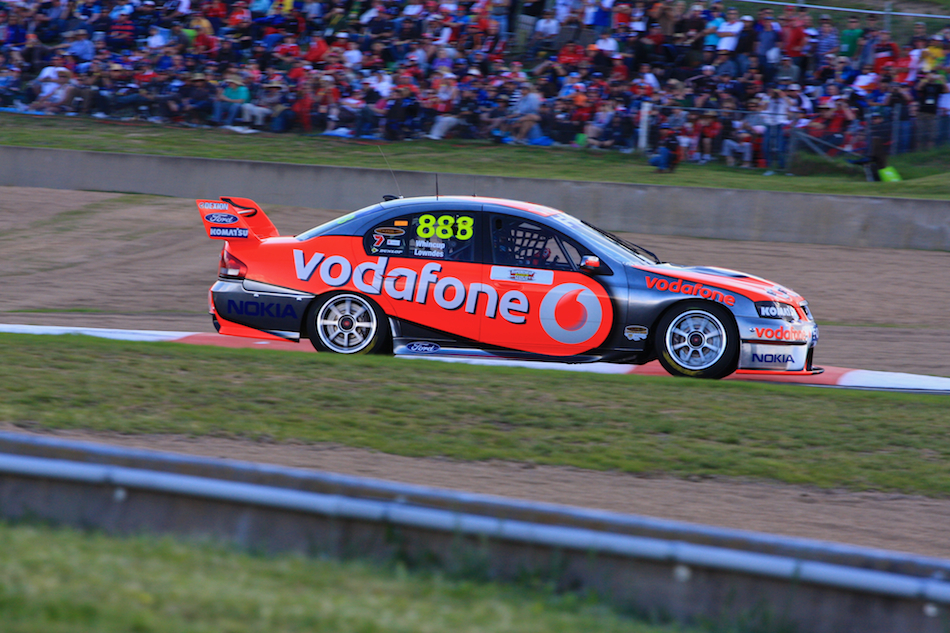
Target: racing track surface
140, 262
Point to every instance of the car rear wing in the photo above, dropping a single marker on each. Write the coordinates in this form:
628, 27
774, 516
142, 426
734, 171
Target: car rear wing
235, 219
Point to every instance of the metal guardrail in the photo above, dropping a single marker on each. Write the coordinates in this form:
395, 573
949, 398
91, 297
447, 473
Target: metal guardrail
473, 503
584, 549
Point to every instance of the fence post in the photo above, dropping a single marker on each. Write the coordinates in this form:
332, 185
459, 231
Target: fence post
888, 9
895, 128
642, 143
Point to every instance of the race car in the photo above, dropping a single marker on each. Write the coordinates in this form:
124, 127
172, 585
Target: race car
480, 276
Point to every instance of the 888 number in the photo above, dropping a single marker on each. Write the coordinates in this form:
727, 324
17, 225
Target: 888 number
446, 227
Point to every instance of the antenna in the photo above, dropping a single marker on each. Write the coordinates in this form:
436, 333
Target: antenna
436, 185
390, 170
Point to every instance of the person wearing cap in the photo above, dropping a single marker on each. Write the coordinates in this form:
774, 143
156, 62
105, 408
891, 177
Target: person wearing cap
196, 99
787, 72
231, 96
269, 102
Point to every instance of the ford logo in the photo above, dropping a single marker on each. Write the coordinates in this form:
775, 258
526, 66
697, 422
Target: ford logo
423, 348
221, 218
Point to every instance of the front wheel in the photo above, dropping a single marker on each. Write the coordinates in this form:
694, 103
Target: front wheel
698, 339
347, 323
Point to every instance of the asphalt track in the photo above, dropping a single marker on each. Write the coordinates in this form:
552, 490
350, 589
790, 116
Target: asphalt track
840, 377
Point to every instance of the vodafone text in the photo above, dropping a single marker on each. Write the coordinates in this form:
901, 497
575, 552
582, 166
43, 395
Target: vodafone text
781, 334
695, 289
336, 271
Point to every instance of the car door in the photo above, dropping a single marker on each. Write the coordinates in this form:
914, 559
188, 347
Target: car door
546, 305
432, 267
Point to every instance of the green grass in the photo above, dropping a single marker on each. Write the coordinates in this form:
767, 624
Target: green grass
926, 173
54, 581
794, 434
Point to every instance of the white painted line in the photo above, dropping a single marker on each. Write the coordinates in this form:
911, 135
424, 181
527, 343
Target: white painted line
119, 335
855, 378
866, 379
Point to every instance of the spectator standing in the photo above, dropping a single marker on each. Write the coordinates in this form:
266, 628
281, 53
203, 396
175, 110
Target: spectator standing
930, 89
848, 45
827, 41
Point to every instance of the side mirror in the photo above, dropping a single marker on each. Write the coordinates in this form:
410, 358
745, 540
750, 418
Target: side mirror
590, 264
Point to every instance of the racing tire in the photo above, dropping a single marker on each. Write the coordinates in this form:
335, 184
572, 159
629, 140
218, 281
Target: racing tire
347, 323
697, 339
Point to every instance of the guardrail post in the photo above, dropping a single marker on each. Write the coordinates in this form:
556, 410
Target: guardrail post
642, 144
888, 9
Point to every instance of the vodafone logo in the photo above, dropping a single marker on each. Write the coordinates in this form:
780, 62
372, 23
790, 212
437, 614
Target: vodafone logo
570, 314
781, 334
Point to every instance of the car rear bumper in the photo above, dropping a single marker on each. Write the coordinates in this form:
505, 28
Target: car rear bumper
250, 308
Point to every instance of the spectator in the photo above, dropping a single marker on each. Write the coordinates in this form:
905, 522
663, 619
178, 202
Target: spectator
269, 103
232, 95
930, 89
196, 99
665, 155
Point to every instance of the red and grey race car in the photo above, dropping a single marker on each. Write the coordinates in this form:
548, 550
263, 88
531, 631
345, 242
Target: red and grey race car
475, 276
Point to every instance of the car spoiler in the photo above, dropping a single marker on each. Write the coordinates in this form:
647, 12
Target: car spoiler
235, 219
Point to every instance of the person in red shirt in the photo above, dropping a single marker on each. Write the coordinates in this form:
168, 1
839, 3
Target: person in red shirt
239, 14
287, 51
886, 52
570, 54
709, 129
318, 48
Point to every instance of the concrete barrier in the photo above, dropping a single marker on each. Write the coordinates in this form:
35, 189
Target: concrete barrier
731, 214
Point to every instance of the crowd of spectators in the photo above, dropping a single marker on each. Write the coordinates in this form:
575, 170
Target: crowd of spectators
718, 84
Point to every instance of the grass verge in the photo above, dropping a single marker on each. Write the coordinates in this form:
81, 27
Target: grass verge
794, 434
925, 173
58, 580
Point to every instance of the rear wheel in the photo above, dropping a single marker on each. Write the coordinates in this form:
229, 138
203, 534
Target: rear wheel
698, 339
347, 323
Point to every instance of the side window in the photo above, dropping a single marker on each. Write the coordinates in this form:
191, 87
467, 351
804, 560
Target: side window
520, 242
444, 235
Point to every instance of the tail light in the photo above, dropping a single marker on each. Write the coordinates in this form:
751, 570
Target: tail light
230, 266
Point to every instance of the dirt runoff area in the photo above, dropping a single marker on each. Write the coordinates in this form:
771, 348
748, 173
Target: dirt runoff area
143, 262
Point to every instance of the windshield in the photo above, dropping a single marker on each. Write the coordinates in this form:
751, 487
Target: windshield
617, 246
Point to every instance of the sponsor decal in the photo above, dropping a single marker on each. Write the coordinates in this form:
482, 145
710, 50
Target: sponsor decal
261, 308
781, 334
404, 284
775, 310
522, 275
636, 333
221, 218
388, 251
217, 231
393, 242
401, 223
388, 230
214, 206
419, 347
570, 314
695, 289
772, 358
378, 240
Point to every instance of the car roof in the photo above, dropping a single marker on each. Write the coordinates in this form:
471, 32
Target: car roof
530, 207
